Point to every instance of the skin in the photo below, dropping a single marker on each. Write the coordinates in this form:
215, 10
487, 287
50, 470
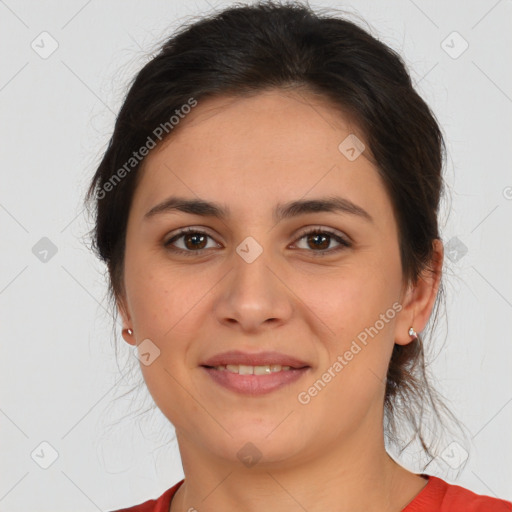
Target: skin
250, 154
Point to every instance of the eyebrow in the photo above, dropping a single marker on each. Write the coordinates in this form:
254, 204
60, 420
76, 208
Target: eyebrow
280, 212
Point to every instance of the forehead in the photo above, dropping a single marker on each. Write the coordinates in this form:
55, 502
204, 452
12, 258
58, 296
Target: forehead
278, 118
262, 149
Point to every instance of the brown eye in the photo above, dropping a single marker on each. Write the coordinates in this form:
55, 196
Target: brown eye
319, 240
194, 242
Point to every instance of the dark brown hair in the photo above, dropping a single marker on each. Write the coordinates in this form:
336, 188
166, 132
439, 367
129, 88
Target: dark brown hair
245, 49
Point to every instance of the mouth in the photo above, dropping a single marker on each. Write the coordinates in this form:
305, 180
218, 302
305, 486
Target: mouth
244, 369
254, 360
255, 380
254, 373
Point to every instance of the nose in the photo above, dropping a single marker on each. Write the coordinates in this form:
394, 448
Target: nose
254, 295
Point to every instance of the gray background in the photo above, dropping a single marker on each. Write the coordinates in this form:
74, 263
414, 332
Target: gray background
58, 368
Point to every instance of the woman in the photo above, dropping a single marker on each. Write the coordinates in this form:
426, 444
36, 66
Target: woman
267, 208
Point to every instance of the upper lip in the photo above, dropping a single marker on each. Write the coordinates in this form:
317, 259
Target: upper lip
254, 359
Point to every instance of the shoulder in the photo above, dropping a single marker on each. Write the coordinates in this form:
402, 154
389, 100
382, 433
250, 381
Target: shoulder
464, 499
160, 504
441, 496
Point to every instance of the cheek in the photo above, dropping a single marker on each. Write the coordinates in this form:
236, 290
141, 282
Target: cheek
360, 310
163, 304
351, 377
159, 296
168, 307
352, 300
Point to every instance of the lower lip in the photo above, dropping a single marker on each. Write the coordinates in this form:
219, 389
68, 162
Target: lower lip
255, 384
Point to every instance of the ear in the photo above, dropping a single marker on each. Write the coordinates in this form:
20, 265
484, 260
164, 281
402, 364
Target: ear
127, 321
419, 298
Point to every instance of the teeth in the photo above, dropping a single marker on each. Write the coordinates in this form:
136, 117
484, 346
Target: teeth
243, 369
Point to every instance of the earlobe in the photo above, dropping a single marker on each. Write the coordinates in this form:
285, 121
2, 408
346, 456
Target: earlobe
126, 332
420, 299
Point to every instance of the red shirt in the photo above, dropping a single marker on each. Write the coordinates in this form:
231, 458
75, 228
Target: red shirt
436, 496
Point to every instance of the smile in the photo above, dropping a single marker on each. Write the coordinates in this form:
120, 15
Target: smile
254, 380
243, 369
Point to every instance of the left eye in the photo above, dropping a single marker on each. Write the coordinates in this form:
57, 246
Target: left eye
320, 239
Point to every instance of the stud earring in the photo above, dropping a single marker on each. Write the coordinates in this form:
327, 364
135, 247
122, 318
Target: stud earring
129, 331
413, 333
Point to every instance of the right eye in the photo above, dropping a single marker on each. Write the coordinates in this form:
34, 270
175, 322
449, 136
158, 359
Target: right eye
194, 240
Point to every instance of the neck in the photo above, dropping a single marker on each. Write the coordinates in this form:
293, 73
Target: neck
354, 474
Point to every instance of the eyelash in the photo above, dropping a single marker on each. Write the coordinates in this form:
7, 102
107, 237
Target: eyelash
344, 244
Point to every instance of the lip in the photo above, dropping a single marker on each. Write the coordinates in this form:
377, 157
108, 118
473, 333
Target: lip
255, 359
255, 385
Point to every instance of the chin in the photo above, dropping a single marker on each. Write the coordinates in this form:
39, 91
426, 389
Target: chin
262, 446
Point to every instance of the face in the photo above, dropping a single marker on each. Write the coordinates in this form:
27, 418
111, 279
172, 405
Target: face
254, 281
